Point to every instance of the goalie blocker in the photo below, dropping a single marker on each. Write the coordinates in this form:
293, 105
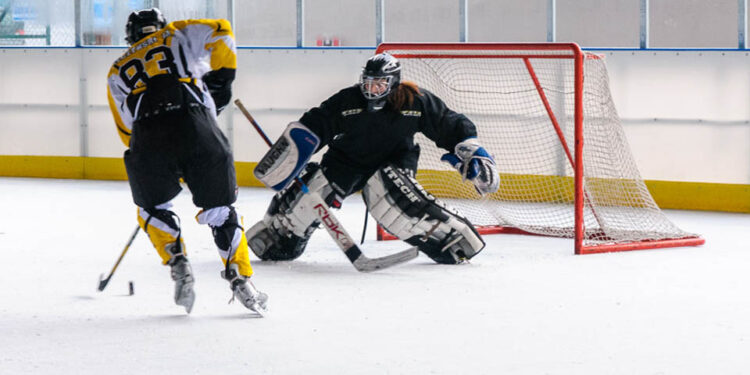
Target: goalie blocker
401, 206
287, 157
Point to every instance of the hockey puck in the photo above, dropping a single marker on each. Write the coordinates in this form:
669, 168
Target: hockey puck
131, 289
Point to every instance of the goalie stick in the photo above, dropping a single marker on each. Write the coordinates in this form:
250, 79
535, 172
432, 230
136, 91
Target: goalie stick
344, 241
103, 282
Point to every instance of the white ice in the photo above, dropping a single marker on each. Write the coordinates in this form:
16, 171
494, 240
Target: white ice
526, 305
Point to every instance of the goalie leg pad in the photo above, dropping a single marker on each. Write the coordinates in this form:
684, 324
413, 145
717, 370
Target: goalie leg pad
270, 243
287, 225
401, 206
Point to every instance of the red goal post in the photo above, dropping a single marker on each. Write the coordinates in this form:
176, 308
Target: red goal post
544, 111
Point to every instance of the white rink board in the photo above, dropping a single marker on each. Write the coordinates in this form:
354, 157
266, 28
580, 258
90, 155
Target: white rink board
699, 98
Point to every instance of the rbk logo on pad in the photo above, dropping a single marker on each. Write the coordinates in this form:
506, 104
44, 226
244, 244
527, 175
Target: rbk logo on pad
332, 225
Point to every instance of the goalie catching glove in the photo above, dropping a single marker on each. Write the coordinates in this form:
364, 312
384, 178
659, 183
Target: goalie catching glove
475, 164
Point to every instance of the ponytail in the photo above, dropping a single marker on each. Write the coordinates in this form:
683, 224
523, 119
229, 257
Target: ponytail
403, 94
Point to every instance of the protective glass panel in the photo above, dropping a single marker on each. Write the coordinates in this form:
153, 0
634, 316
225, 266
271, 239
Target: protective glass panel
266, 23
37, 23
339, 23
612, 23
421, 21
693, 24
507, 21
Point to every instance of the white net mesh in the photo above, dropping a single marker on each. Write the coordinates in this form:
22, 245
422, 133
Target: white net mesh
496, 90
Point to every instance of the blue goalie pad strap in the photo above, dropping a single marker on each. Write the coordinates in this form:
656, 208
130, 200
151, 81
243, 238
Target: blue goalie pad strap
287, 157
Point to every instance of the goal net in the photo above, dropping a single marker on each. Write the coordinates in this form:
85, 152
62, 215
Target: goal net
545, 113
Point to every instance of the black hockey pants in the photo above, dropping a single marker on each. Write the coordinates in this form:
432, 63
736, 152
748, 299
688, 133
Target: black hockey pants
185, 144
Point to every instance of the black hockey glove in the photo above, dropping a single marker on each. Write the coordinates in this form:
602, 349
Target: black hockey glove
219, 84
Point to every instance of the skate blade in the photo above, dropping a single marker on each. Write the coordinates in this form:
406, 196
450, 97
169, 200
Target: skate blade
186, 299
258, 310
187, 303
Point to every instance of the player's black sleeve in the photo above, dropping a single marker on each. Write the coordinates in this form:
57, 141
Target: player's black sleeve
442, 125
325, 119
219, 84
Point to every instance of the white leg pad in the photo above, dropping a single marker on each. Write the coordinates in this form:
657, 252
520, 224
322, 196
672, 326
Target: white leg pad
400, 204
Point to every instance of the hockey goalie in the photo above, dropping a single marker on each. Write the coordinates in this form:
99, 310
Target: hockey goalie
369, 129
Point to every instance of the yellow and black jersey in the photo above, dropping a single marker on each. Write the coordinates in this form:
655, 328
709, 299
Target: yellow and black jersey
199, 54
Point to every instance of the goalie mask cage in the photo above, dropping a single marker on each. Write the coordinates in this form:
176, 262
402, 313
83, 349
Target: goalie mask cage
545, 113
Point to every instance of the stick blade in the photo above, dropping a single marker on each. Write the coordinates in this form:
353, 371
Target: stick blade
102, 282
365, 264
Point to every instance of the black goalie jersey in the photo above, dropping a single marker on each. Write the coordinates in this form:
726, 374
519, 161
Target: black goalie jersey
199, 54
360, 142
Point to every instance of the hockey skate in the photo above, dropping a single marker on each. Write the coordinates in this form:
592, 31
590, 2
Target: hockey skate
244, 290
182, 274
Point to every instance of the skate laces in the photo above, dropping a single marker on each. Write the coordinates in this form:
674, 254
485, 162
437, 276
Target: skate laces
243, 290
233, 287
240, 287
179, 269
230, 274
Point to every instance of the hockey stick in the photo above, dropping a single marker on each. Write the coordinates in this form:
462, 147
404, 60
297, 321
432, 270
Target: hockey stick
344, 241
103, 282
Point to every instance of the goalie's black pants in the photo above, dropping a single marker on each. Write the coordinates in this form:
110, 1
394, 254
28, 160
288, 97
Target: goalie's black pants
347, 179
186, 144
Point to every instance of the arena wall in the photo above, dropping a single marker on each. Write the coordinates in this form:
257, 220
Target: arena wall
685, 112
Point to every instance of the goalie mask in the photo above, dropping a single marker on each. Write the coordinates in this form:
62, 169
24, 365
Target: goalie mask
380, 76
143, 22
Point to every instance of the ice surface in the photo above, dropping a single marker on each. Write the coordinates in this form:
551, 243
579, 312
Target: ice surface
526, 305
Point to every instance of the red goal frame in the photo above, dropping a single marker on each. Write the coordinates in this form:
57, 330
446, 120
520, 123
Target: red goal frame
568, 51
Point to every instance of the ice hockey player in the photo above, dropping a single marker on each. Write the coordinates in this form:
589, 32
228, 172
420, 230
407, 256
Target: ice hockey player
369, 129
165, 93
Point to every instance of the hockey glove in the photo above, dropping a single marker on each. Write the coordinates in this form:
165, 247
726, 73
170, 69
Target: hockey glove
219, 85
475, 164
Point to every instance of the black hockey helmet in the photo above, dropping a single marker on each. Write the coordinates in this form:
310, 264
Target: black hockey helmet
381, 74
143, 22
